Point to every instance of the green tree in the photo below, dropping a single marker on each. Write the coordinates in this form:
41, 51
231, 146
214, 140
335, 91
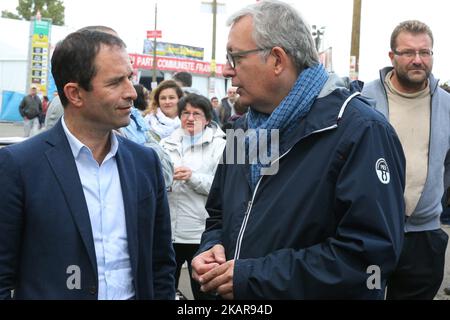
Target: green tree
50, 9
9, 15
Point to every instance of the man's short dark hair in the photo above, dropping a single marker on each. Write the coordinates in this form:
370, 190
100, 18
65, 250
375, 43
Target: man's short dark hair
74, 58
196, 101
99, 28
185, 78
414, 27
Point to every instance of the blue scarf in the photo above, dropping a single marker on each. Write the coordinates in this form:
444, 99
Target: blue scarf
286, 117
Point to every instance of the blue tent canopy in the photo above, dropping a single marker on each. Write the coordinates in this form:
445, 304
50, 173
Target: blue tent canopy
10, 106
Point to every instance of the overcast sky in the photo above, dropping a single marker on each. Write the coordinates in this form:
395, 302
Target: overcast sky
186, 22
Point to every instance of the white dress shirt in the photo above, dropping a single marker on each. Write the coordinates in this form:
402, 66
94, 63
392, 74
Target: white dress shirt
103, 193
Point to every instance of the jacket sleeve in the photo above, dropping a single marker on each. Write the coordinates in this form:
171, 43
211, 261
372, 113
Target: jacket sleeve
368, 210
213, 228
447, 171
22, 107
164, 158
11, 222
201, 182
55, 111
164, 257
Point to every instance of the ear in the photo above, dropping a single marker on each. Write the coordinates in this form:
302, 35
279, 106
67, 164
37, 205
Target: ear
281, 59
391, 56
73, 94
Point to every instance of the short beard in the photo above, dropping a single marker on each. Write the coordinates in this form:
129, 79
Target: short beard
407, 82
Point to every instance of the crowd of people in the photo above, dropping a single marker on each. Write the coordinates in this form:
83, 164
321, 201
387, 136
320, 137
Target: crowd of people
138, 182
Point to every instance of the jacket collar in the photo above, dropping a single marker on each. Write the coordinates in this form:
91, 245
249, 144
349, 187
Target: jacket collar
328, 108
175, 139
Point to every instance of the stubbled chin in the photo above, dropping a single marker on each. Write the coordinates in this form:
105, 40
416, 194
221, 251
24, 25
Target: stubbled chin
417, 72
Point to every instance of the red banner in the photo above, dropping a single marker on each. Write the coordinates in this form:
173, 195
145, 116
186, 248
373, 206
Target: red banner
154, 34
144, 61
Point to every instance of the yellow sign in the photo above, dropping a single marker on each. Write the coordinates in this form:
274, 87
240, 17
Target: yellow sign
39, 55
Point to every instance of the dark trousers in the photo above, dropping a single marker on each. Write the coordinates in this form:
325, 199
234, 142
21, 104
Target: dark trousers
184, 252
420, 270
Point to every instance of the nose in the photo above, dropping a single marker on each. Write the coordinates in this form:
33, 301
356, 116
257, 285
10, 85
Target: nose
417, 59
130, 91
228, 71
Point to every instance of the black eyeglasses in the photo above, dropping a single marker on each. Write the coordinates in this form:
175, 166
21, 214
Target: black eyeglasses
410, 54
232, 55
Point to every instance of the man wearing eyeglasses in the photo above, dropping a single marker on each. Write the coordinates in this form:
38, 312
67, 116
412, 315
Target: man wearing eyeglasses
409, 96
328, 221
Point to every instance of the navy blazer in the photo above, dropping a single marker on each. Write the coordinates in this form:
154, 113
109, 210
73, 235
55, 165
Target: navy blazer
45, 227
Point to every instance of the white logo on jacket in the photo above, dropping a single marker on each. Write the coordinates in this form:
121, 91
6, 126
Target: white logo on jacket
382, 170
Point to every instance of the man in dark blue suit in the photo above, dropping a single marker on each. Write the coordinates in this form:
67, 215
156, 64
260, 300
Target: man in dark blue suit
83, 212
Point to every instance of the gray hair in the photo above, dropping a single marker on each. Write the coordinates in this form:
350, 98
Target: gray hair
410, 26
277, 24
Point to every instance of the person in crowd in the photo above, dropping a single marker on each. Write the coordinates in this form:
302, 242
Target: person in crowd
445, 216
162, 115
240, 111
45, 103
84, 212
227, 106
409, 97
321, 215
195, 150
184, 80
216, 110
138, 128
54, 112
139, 131
30, 108
143, 98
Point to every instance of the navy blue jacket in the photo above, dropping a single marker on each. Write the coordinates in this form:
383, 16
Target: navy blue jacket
320, 227
45, 226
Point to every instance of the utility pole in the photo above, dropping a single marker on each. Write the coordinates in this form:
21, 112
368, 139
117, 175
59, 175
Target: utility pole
356, 30
154, 81
213, 54
212, 7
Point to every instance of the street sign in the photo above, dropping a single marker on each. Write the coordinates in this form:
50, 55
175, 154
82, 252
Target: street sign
154, 34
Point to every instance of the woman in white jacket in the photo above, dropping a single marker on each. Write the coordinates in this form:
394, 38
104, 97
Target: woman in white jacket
195, 150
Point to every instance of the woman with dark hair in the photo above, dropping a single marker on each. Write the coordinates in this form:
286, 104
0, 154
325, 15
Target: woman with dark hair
195, 149
163, 113
141, 101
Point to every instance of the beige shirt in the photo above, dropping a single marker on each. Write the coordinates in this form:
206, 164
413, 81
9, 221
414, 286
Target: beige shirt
410, 114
